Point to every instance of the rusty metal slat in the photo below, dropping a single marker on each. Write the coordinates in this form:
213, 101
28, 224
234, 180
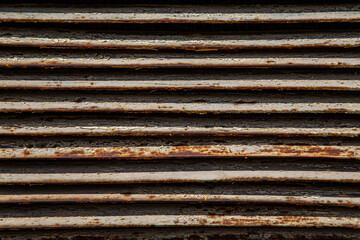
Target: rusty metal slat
152, 152
311, 61
54, 39
177, 221
335, 85
198, 108
162, 130
178, 176
204, 198
121, 59
130, 125
187, 14
164, 80
237, 158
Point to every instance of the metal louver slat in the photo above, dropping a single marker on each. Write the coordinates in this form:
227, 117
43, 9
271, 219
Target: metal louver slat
185, 14
128, 125
67, 59
195, 80
185, 192
182, 103
101, 40
147, 120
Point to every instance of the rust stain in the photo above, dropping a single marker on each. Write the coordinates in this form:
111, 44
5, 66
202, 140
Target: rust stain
26, 152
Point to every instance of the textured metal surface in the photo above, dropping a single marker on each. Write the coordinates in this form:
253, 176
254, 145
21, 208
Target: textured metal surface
180, 108
184, 151
130, 198
67, 59
184, 14
176, 215
239, 193
201, 117
199, 103
179, 176
128, 125
36, 38
178, 220
334, 85
121, 80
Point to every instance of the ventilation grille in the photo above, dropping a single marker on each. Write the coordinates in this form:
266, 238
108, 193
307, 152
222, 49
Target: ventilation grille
179, 120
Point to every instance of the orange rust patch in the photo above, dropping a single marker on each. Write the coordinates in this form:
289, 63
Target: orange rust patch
26, 152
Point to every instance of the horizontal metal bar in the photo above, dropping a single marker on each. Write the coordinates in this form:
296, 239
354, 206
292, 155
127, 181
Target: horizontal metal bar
204, 198
184, 14
197, 108
177, 221
177, 176
79, 39
186, 130
151, 152
62, 79
129, 125
159, 62
335, 85
29, 58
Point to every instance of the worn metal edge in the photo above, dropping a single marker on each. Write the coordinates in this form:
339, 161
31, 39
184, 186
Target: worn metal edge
66, 16
174, 62
99, 130
186, 151
177, 176
58, 39
198, 108
152, 152
154, 197
177, 221
329, 85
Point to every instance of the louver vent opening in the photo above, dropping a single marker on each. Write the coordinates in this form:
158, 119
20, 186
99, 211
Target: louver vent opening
179, 119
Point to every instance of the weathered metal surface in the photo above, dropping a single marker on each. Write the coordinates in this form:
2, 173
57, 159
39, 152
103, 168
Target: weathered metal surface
194, 198
182, 102
207, 193
115, 80
254, 164
78, 39
130, 125
178, 221
184, 14
334, 85
198, 108
178, 176
183, 151
155, 131
10, 59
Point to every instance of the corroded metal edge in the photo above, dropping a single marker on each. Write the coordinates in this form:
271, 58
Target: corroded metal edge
273, 84
152, 152
175, 131
203, 198
177, 221
198, 108
177, 177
